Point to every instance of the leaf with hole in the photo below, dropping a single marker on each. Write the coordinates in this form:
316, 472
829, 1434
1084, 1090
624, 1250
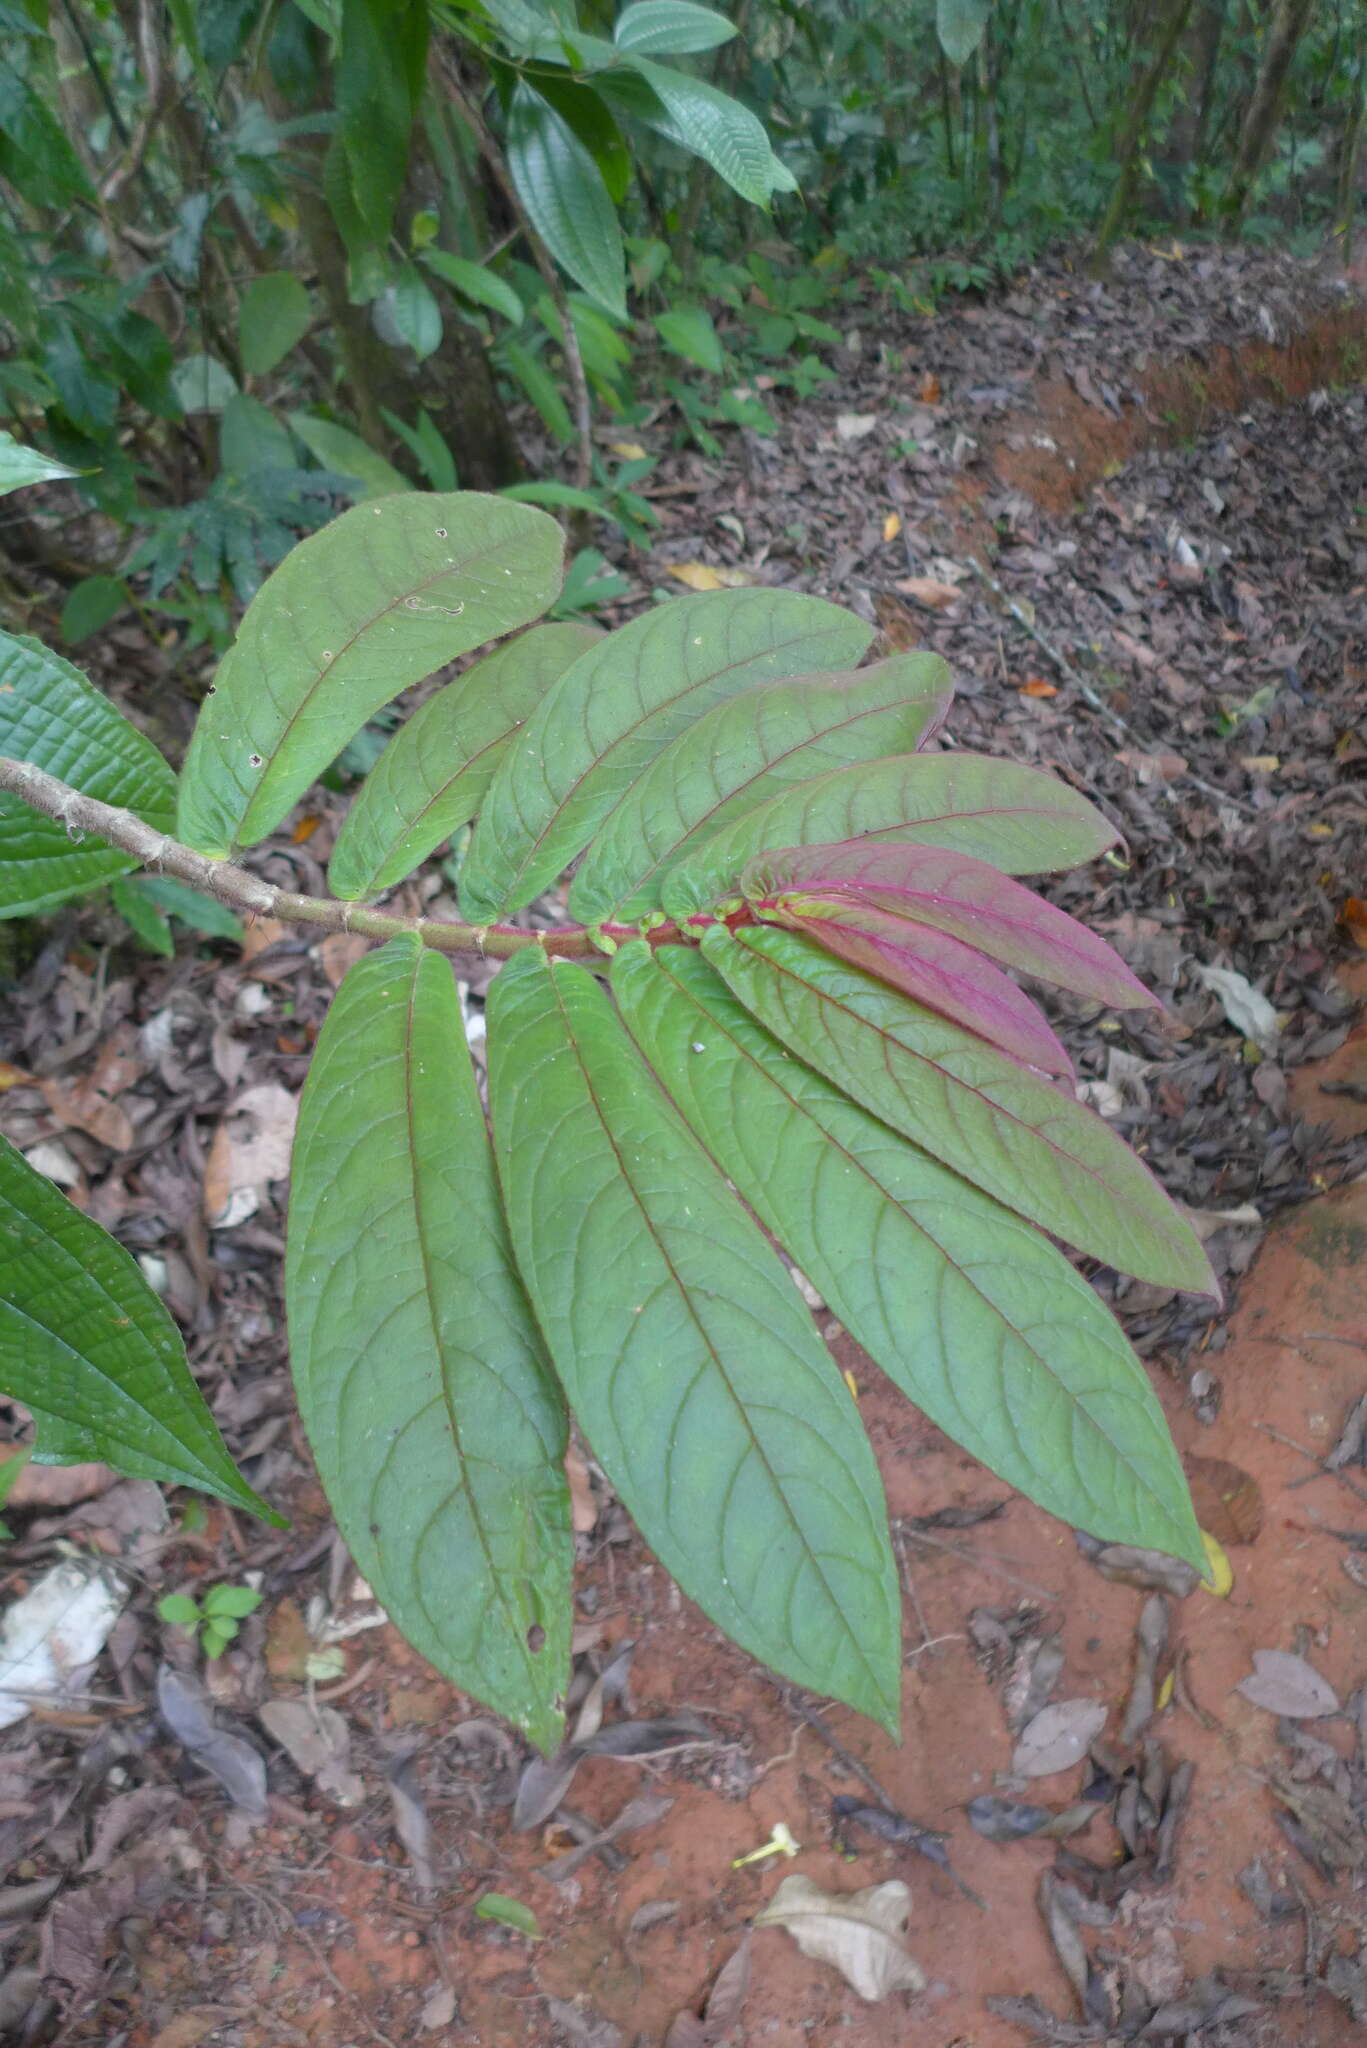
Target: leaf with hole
437, 1430
620, 705
684, 1349
376, 601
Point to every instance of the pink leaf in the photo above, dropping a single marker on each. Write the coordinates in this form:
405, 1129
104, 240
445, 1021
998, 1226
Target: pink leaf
966, 898
930, 966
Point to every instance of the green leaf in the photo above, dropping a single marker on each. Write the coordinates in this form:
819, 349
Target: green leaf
431, 778
272, 317
1004, 1128
437, 1430
1019, 1361
215, 1638
686, 1353
379, 78
235, 1601
143, 918
88, 1347
20, 466
36, 157
1018, 819
90, 606
961, 25
479, 284
718, 129
565, 198
540, 386
251, 439
353, 615
670, 28
566, 495
741, 753
688, 332
180, 1610
407, 314
508, 1913
177, 899
50, 715
338, 449
619, 706
202, 384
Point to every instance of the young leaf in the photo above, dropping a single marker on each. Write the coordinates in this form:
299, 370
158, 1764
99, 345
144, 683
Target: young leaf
233, 1601
684, 1348
50, 715
670, 28
932, 968
1007, 1131
437, 1429
1019, 1362
431, 778
620, 705
476, 282
89, 1348
1014, 817
273, 315
352, 616
20, 466
744, 751
717, 128
180, 1610
566, 201
963, 897
508, 1913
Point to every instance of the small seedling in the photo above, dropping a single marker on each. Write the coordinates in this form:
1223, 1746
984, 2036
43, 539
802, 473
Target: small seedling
214, 1619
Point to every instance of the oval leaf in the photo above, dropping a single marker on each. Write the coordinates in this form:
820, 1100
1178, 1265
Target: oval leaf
476, 282
670, 28
717, 128
742, 752
685, 1351
274, 314
89, 1348
1008, 1131
1021, 1363
346, 454
562, 190
431, 778
619, 706
50, 715
436, 1427
1013, 817
352, 616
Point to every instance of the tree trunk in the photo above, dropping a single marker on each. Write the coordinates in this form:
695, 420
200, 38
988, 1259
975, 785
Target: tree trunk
1288, 24
1187, 141
1129, 145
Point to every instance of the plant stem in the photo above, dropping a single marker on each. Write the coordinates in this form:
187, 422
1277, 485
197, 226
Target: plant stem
251, 894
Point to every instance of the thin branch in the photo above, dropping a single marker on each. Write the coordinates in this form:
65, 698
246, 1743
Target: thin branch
243, 891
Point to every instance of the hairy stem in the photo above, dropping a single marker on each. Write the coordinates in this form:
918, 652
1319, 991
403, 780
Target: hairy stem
243, 891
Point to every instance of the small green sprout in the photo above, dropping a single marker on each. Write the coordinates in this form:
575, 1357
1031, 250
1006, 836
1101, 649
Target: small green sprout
215, 1619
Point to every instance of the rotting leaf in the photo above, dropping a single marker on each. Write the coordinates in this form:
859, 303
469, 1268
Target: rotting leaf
1151, 1571
229, 1758
1058, 1737
862, 1934
850, 1811
1228, 1500
1005, 1820
1151, 1639
1284, 1683
725, 2003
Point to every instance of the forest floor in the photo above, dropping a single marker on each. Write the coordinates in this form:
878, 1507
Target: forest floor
1134, 519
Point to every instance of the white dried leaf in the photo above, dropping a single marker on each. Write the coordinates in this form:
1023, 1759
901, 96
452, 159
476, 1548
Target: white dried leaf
1246, 1007
863, 1934
50, 1638
1285, 1684
1058, 1737
853, 426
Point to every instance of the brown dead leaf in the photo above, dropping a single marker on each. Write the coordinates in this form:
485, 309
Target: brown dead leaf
188, 2029
901, 628
90, 1103
339, 952
288, 1642
928, 591
707, 576
863, 1934
250, 1149
892, 526
1035, 686
1228, 1500
14, 1077
928, 390
305, 829
583, 1506
259, 933
54, 1486
1152, 768
1353, 917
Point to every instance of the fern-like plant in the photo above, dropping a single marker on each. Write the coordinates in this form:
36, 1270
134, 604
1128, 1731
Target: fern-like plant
781, 1010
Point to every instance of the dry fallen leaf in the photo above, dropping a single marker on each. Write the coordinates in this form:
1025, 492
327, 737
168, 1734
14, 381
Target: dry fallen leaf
1247, 1009
1058, 1737
250, 1149
863, 1934
1228, 1500
927, 590
853, 426
705, 576
1354, 916
1285, 1684
1035, 686
318, 1743
892, 526
630, 451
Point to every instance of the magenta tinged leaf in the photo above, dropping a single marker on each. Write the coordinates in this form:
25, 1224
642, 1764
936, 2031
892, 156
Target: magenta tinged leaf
965, 897
935, 969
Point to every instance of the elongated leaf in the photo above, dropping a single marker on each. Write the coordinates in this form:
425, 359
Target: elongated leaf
960, 25
689, 332
352, 616
1009, 1132
742, 752
930, 967
50, 715
337, 448
431, 778
476, 282
670, 28
964, 897
273, 316
540, 386
436, 1426
88, 1347
1019, 1362
619, 706
20, 466
1014, 817
718, 129
685, 1350
566, 201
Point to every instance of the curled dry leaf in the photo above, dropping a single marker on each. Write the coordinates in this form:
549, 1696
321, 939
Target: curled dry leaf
1247, 1009
1058, 1737
863, 1934
1285, 1684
